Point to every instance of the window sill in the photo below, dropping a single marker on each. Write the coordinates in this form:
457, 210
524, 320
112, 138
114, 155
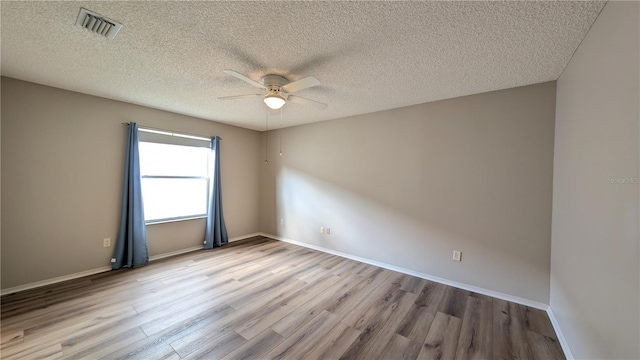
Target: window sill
164, 221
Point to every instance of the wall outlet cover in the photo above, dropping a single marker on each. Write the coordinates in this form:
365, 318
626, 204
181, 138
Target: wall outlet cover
457, 255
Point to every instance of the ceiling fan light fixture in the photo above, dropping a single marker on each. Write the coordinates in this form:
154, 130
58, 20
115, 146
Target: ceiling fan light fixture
279, 90
274, 101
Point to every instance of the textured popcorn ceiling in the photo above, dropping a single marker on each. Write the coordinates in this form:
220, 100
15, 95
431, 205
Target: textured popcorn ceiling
369, 56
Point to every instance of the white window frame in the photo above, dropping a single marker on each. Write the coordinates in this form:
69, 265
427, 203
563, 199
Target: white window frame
170, 138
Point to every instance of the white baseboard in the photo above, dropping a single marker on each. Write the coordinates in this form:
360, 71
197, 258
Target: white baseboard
560, 335
475, 289
248, 236
174, 253
195, 248
54, 280
80, 274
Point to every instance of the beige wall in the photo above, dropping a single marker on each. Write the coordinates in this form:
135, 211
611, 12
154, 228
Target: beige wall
408, 186
62, 156
594, 258
0, 187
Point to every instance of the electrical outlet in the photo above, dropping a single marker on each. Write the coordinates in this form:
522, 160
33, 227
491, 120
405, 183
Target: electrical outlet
327, 231
282, 222
457, 255
321, 229
106, 242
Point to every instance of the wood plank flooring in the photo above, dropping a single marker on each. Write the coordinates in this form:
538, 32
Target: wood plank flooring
264, 299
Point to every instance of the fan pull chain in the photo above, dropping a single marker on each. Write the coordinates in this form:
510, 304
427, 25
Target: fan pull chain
266, 136
280, 131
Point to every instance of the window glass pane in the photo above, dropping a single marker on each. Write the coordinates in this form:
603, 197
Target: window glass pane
162, 137
171, 198
172, 160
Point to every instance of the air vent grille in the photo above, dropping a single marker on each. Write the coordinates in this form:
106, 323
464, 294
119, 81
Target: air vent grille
98, 24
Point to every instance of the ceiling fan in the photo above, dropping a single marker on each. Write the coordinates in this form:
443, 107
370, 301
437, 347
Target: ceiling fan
278, 90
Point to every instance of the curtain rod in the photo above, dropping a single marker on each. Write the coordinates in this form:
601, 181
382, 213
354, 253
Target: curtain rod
166, 130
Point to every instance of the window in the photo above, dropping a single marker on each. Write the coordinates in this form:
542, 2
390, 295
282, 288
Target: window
175, 180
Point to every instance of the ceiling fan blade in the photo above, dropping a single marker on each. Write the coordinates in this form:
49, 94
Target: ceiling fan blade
246, 79
238, 96
304, 101
301, 84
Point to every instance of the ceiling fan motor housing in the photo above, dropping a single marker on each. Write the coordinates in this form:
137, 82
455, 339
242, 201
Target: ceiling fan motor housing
274, 82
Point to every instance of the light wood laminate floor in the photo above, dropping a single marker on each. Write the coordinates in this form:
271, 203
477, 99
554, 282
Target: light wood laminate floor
264, 299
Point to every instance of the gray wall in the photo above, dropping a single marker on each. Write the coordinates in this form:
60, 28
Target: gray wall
594, 257
408, 186
62, 156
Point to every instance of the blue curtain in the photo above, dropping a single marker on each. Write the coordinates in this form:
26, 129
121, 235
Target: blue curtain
216, 233
131, 244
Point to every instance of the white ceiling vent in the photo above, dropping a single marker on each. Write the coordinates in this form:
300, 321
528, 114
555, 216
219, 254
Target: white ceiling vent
98, 24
